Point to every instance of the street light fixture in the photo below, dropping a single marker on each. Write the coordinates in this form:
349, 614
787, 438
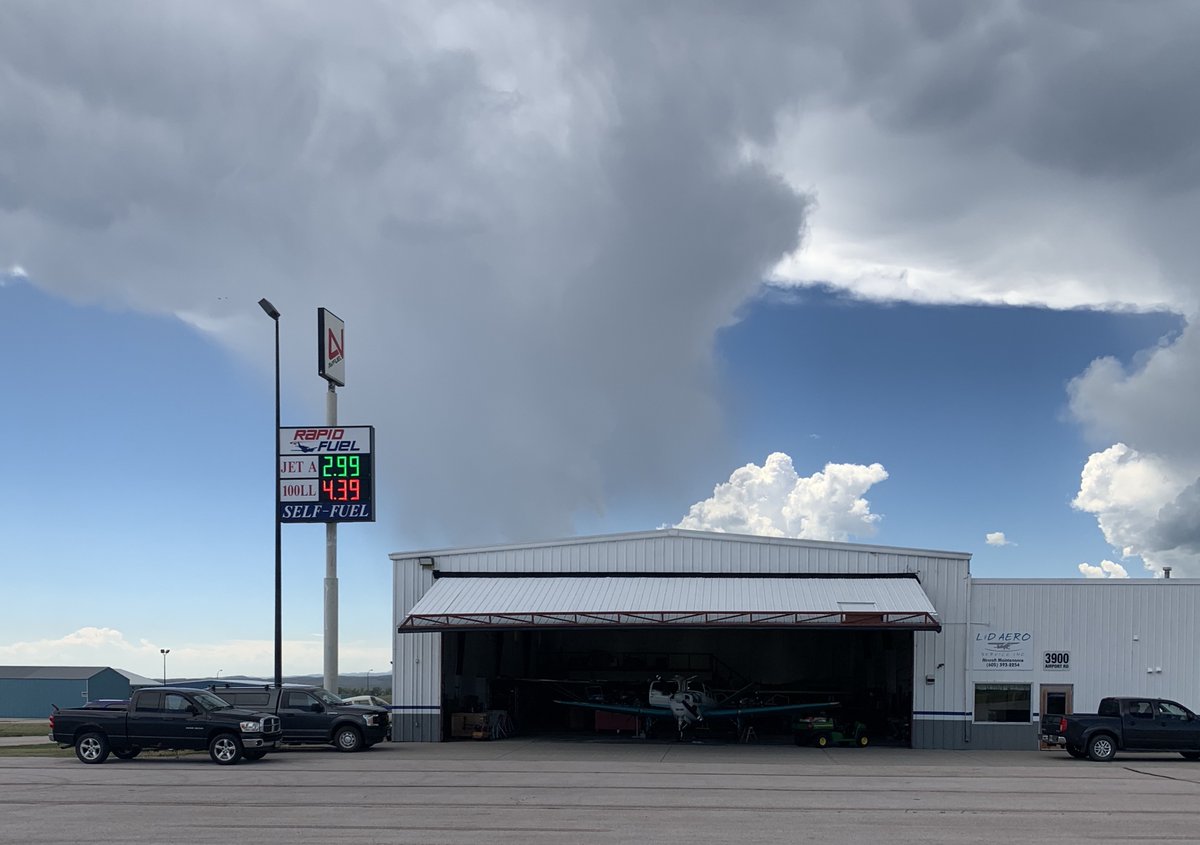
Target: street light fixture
164, 652
272, 312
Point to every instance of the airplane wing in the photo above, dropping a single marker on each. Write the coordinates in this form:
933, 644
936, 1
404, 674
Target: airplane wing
736, 712
632, 709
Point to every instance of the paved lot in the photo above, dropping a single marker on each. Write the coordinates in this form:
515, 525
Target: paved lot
534, 792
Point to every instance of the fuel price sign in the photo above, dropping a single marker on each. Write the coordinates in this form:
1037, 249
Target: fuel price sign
327, 474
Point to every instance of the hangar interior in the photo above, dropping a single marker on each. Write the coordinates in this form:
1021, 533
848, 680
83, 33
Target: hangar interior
523, 672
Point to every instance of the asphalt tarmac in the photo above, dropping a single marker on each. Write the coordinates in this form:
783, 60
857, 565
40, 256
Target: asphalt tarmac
538, 792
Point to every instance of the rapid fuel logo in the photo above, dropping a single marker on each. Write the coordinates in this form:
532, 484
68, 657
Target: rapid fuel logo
323, 440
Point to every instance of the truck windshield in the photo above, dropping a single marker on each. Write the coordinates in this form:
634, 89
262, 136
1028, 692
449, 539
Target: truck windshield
209, 702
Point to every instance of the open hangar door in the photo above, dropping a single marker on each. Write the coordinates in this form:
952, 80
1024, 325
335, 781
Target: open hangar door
524, 672
516, 645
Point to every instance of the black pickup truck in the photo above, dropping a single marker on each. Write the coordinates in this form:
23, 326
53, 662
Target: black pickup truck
312, 715
1126, 724
165, 718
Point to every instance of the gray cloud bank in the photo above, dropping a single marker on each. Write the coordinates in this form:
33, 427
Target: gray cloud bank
535, 218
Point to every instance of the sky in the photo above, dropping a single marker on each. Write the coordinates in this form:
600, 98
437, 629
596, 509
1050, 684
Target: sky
916, 274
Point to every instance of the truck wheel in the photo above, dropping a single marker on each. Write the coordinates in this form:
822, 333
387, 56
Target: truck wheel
127, 753
1077, 753
225, 749
254, 753
1190, 755
1102, 748
347, 738
92, 748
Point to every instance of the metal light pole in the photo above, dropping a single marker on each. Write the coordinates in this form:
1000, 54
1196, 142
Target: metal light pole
164, 652
219, 671
273, 313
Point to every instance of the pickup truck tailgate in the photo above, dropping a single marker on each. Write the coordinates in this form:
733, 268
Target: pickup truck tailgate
1051, 730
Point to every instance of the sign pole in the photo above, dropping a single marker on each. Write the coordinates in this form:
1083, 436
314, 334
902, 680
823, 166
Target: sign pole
272, 312
331, 366
278, 537
331, 581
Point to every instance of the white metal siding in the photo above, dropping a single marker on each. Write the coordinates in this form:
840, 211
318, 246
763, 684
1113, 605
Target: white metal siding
416, 662
1115, 630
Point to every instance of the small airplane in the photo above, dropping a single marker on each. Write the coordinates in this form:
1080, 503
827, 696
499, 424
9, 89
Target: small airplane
302, 447
689, 707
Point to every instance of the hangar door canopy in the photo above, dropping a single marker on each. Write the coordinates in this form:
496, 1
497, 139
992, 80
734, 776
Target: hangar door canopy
480, 603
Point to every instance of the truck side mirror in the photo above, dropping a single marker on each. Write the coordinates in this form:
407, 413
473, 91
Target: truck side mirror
318, 707
193, 710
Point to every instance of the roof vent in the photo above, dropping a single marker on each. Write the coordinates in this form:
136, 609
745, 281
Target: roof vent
1166, 572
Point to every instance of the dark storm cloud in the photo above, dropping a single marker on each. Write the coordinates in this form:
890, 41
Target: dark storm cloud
532, 264
1021, 153
1178, 526
1094, 88
537, 216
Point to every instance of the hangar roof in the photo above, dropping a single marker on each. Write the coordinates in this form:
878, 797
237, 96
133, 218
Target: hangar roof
497, 603
758, 539
51, 673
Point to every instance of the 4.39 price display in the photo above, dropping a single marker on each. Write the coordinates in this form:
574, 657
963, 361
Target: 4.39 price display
341, 478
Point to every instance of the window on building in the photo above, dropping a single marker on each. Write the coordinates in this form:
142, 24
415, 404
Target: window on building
1002, 703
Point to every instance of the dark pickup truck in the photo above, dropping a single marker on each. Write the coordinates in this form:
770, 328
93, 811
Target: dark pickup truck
165, 718
1126, 724
312, 715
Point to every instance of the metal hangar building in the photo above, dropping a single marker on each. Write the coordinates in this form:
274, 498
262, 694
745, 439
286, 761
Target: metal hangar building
905, 640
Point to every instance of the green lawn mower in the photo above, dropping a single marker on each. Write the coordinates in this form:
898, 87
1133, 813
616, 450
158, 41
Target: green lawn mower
822, 732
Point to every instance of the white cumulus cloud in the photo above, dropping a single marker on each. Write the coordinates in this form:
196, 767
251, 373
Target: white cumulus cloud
997, 538
1145, 506
1106, 569
773, 500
